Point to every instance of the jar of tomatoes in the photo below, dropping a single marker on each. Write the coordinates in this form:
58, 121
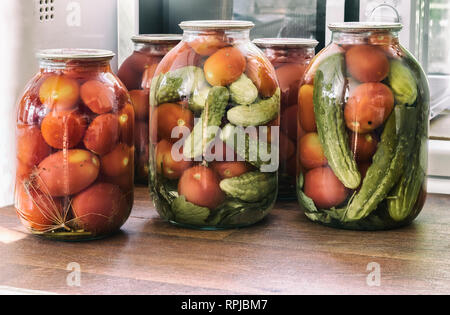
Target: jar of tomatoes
75, 147
363, 111
214, 127
290, 57
136, 72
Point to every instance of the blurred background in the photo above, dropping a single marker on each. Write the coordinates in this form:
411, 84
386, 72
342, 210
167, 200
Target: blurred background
29, 25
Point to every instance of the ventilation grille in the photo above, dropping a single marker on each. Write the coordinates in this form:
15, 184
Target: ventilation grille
46, 10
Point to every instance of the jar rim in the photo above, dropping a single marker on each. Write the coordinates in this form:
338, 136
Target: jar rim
355, 27
216, 25
285, 42
75, 53
157, 38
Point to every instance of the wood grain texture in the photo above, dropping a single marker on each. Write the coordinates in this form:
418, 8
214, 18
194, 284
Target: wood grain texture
284, 254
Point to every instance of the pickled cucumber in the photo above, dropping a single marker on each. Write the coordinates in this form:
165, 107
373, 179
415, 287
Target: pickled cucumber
207, 127
256, 114
250, 187
329, 86
178, 84
388, 164
243, 91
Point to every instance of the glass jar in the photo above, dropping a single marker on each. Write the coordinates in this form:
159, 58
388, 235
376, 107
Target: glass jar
75, 148
364, 108
136, 72
290, 57
214, 127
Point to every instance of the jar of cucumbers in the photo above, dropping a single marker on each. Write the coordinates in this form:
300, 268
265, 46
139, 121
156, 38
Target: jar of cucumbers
363, 120
214, 129
290, 57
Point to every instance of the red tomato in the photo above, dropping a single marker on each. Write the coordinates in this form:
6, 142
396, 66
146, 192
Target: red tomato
363, 146
324, 188
98, 96
129, 78
126, 123
138, 61
63, 129
118, 161
287, 148
225, 66
124, 181
230, 169
389, 44
180, 56
306, 114
67, 172
166, 117
262, 74
311, 151
141, 136
200, 185
37, 210
100, 209
291, 167
148, 75
207, 43
140, 99
367, 63
59, 92
102, 134
368, 107
23, 171
288, 123
165, 161
31, 146
289, 77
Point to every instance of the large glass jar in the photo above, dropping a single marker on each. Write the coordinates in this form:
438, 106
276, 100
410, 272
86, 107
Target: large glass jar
290, 57
136, 72
75, 148
363, 112
214, 127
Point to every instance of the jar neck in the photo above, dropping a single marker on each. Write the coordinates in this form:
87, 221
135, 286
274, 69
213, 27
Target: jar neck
153, 49
232, 36
346, 38
51, 65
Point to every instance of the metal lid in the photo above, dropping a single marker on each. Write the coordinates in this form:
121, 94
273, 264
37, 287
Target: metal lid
74, 53
285, 42
157, 38
216, 25
357, 27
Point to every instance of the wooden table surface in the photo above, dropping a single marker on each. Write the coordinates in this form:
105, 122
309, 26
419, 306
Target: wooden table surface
284, 254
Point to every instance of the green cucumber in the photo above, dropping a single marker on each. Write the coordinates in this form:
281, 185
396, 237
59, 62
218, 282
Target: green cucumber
257, 153
388, 164
402, 82
404, 196
243, 91
197, 101
188, 213
250, 187
176, 84
207, 127
329, 86
256, 114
